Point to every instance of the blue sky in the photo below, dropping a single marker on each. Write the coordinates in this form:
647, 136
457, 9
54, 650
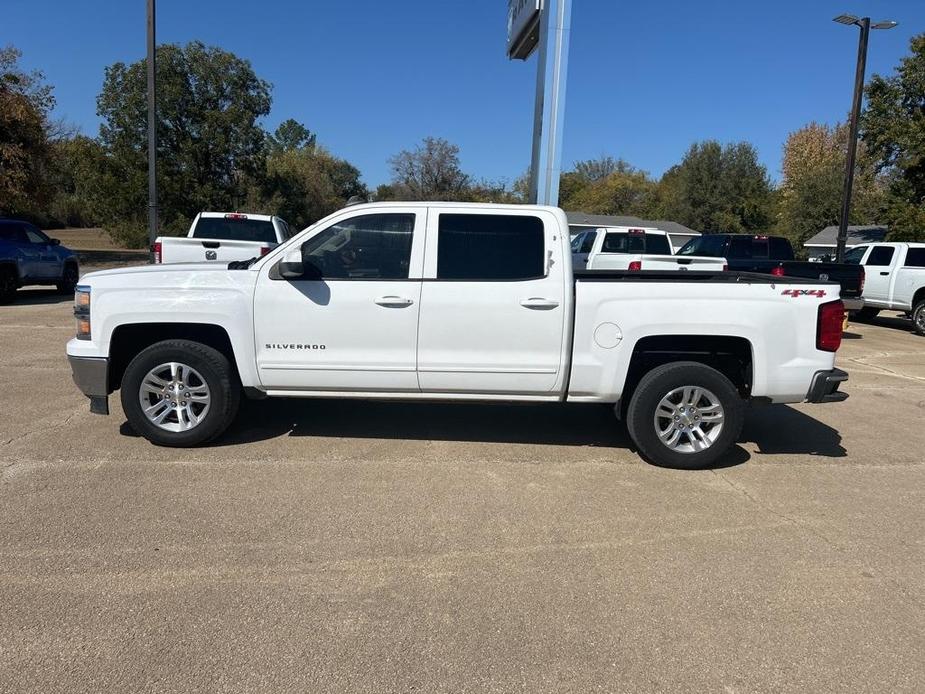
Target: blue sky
372, 77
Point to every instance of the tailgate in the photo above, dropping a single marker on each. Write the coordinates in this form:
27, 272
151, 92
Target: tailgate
187, 250
682, 262
848, 276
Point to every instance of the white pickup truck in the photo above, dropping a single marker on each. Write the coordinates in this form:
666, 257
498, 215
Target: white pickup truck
453, 301
221, 237
633, 248
895, 279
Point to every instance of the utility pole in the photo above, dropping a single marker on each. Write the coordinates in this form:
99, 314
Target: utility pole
864, 24
152, 133
549, 110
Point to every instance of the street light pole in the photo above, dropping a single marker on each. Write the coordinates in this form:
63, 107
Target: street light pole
152, 134
865, 27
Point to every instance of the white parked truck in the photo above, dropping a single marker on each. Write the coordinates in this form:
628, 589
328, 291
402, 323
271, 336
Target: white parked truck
895, 279
633, 248
453, 301
222, 237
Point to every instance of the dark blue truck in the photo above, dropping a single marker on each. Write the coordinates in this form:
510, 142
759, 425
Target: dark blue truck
29, 256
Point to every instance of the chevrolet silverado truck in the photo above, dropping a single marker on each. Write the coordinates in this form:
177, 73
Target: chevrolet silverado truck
459, 302
774, 255
222, 237
896, 279
629, 248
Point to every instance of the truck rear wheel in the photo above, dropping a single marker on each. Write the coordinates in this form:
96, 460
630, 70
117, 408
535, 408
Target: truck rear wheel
180, 393
918, 317
8, 284
867, 314
685, 415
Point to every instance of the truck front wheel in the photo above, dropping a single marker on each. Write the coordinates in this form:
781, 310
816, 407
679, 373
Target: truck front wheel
180, 393
685, 415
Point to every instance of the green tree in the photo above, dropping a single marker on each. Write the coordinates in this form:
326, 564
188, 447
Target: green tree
430, 171
893, 128
25, 104
291, 135
607, 186
718, 188
209, 141
813, 180
304, 185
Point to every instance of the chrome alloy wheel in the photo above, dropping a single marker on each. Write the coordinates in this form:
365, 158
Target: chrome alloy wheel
918, 317
689, 419
174, 397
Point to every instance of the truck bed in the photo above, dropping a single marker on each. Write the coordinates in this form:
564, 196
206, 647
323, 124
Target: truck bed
690, 276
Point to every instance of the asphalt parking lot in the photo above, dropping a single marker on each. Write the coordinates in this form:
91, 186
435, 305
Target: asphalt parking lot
344, 546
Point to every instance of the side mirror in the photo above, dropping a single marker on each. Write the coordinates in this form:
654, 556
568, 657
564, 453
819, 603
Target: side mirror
294, 266
55, 242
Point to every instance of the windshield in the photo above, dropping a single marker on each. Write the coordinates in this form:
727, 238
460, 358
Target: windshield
235, 229
710, 246
853, 257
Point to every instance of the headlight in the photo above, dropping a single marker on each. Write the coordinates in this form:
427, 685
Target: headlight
82, 311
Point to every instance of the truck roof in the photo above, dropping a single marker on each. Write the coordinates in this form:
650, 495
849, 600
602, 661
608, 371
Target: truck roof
439, 203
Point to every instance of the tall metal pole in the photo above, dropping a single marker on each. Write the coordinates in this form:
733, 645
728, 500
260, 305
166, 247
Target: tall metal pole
549, 114
152, 134
852, 140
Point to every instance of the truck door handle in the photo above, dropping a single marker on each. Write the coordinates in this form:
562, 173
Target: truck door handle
393, 301
884, 273
538, 303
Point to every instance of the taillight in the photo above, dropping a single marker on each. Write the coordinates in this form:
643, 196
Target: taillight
863, 279
635, 265
829, 326
156, 248
264, 250
778, 271
725, 267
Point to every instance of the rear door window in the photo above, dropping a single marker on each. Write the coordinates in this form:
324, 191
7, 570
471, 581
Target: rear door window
880, 256
915, 257
13, 233
490, 247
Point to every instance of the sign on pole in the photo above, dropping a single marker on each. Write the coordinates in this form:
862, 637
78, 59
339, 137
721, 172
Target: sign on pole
544, 25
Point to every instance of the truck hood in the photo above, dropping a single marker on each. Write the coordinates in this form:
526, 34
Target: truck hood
172, 277
175, 268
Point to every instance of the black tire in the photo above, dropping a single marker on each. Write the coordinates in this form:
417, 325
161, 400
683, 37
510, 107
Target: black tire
69, 277
8, 284
659, 383
217, 373
866, 314
918, 317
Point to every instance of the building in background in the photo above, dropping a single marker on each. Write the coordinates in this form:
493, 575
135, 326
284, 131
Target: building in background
822, 245
678, 234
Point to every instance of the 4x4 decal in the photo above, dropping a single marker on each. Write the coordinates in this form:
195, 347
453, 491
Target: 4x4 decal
804, 292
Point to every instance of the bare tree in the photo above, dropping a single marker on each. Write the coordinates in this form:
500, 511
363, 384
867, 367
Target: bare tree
429, 172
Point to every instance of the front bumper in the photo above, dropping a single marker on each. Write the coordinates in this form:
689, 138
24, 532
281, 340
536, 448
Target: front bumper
91, 374
825, 386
